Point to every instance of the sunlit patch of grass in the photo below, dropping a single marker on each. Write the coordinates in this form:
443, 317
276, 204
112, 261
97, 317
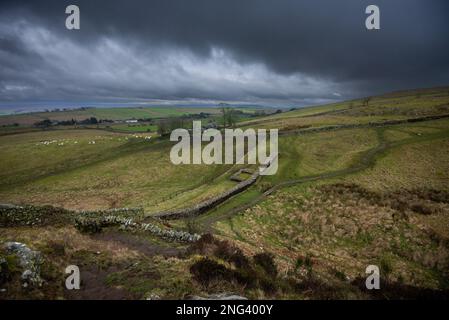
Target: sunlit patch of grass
420, 164
399, 105
322, 152
115, 171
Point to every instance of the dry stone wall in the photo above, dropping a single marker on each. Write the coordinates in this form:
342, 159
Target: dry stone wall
93, 225
87, 221
11, 215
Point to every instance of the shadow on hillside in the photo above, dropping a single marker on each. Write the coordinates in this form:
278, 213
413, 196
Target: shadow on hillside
399, 291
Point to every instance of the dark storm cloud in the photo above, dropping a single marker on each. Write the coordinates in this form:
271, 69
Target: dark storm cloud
254, 50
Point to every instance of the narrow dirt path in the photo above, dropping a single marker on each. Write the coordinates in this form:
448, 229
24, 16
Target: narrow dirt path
367, 160
364, 162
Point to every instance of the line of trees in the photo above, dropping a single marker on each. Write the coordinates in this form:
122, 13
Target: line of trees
166, 126
228, 114
47, 122
229, 118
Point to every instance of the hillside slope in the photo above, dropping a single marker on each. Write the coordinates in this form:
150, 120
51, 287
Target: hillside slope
358, 184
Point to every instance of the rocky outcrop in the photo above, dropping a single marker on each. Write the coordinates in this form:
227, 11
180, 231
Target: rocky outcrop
29, 260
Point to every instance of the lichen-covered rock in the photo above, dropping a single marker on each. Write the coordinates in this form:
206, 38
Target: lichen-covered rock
29, 260
219, 296
153, 296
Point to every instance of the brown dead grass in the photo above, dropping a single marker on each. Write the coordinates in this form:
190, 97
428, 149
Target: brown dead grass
346, 227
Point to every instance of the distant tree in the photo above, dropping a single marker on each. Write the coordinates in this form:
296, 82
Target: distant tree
162, 128
43, 124
231, 118
224, 109
229, 115
278, 111
366, 101
93, 120
166, 126
67, 122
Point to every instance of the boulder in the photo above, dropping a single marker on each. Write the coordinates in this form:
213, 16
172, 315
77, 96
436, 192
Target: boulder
29, 260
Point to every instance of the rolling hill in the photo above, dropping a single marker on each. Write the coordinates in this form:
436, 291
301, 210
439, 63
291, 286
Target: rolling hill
360, 182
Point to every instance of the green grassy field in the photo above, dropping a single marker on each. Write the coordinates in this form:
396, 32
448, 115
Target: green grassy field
342, 199
398, 105
115, 114
88, 169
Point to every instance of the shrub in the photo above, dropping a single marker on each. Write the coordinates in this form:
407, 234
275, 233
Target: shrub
192, 226
339, 274
305, 262
266, 261
299, 263
224, 250
203, 245
386, 266
229, 253
56, 248
239, 259
264, 186
268, 285
88, 226
207, 270
207, 238
421, 209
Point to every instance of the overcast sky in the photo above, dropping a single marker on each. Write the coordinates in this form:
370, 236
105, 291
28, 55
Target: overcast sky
276, 52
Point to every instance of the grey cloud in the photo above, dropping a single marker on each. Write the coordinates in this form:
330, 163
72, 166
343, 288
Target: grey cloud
286, 51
